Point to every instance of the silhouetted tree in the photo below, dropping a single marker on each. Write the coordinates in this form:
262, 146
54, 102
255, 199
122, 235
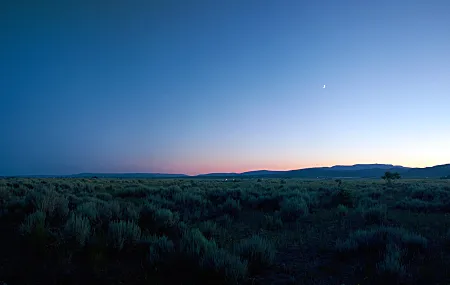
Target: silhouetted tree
390, 176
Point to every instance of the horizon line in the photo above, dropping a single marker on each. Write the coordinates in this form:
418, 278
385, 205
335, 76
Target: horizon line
206, 173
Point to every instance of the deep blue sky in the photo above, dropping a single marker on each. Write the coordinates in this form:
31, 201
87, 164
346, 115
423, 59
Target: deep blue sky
218, 86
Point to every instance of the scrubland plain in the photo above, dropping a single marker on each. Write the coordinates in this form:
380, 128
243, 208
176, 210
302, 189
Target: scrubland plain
250, 231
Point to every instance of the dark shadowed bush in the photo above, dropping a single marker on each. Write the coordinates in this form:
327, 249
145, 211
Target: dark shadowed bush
108, 211
195, 244
33, 222
367, 202
122, 233
88, 210
221, 267
209, 229
129, 212
104, 196
231, 207
160, 250
378, 237
267, 203
374, 215
165, 218
342, 210
207, 262
417, 205
259, 252
272, 222
51, 202
135, 192
391, 267
345, 197
293, 209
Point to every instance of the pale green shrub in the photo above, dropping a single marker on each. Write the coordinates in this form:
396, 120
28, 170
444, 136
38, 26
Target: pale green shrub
78, 228
123, 233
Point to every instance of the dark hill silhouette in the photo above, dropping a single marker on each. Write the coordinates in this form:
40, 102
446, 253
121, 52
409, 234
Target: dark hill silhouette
365, 166
127, 175
431, 172
337, 171
350, 171
218, 174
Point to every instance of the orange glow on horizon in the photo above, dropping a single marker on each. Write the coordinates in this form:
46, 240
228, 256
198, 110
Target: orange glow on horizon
278, 167
203, 167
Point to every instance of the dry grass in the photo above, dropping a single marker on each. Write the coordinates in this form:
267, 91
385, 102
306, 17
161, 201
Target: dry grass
250, 231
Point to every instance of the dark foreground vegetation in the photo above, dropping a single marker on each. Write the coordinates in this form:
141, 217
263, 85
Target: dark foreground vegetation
185, 231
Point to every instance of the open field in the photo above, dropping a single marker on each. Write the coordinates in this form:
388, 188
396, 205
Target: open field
192, 231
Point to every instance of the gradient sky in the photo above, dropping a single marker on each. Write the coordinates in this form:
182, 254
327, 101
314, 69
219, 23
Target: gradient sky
194, 86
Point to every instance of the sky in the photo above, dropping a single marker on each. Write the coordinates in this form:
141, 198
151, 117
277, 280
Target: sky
204, 86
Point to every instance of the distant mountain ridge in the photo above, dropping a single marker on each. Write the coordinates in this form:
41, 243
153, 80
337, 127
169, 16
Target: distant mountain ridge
337, 171
365, 166
344, 171
128, 175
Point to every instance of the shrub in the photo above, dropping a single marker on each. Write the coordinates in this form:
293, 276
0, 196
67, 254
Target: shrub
114, 207
231, 207
147, 214
377, 237
164, 218
33, 222
266, 203
225, 220
104, 196
220, 265
194, 244
367, 202
375, 215
5, 195
417, 205
211, 263
108, 211
88, 210
345, 197
191, 200
18, 205
217, 196
259, 252
135, 192
271, 222
130, 212
123, 233
293, 208
209, 229
51, 203
311, 198
391, 266
61, 207
160, 247
78, 228
423, 194
342, 210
